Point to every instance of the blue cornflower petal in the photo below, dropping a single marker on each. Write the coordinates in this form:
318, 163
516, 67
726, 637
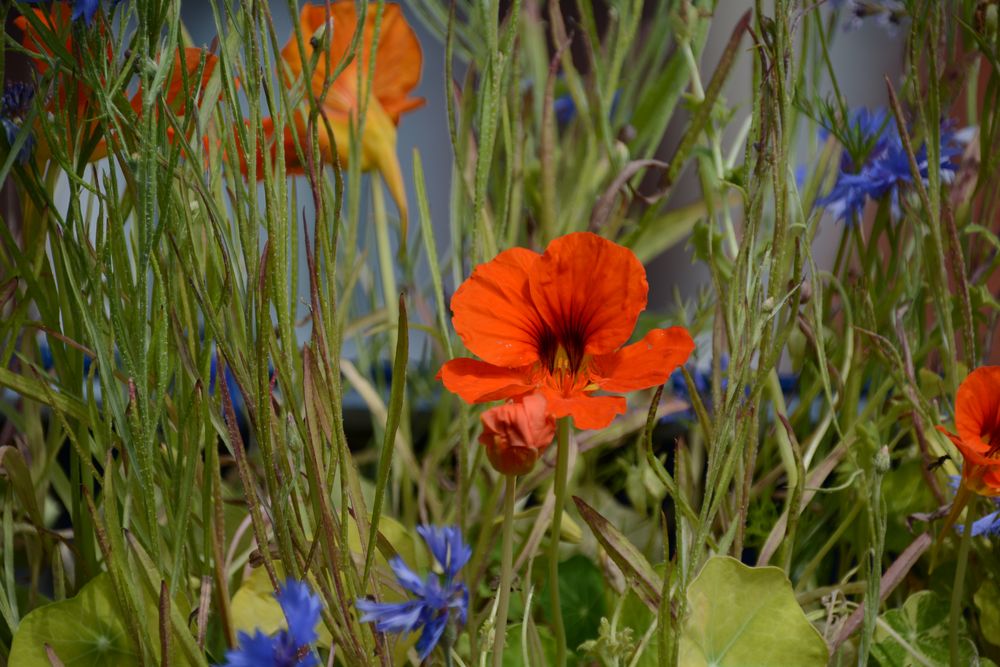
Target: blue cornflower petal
85, 9
884, 169
82, 9
302, 608
286, 648
407, 578
447, 546
251, 651
399, 617
438, 601
988, 525
431, 635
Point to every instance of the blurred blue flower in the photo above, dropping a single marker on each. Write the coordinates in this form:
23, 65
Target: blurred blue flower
17, 97
16, 102
85, 9
438, 601
82, 9
564, 108
700, 368
233, 387
885, 166
289, 647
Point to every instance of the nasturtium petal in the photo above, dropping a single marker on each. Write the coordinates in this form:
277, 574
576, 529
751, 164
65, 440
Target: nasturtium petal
494, 314
747, 617
585, 286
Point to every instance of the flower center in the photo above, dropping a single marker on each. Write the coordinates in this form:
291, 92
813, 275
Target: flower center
992, 440
561, 353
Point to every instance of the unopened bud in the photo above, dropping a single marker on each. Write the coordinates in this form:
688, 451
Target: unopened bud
883, 461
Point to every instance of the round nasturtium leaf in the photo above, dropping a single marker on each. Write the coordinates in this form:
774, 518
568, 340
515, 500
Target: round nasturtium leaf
747, 617
918, 634
86, 630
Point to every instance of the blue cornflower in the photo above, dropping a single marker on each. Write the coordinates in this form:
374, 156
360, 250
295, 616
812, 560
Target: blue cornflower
289, 647
885, 166
437, 602
17, 97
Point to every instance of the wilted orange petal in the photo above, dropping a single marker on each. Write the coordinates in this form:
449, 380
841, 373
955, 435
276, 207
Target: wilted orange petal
644, 364
493, 310
398, 61
398, 58
479, 382
589, 288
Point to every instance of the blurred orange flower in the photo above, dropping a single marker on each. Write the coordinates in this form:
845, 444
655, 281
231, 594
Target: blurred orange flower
398, 59
516, 434
187, 67
977, 419
555, 323
56, 20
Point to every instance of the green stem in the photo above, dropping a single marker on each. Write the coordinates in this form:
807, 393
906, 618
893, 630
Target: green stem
562, 470
387, 266
956, 591
506, 569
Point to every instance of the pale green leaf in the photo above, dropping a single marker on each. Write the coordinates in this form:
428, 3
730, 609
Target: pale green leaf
747, 617
917, 634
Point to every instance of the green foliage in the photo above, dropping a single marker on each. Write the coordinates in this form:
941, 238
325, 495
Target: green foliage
86, 630
215, 378
581, 595
739, 615
917, 634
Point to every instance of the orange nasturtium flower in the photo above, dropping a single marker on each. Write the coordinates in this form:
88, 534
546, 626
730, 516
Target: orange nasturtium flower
398, 58
977, 419
517, 433
555, 323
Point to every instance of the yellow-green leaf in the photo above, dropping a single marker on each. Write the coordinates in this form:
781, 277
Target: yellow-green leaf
747, 616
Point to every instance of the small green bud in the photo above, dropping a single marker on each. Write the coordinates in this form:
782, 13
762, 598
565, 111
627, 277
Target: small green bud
883, 461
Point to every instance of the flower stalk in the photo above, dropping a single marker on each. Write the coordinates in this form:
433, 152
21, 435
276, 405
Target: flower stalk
562, 473
506, 568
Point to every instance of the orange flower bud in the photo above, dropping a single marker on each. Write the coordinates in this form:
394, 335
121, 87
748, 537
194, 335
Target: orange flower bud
516, 434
